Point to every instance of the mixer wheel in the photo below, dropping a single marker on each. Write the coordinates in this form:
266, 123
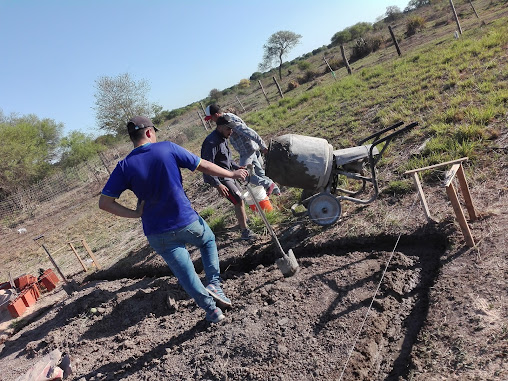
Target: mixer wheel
324, 209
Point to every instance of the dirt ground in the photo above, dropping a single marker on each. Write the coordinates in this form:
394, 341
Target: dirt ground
440, 311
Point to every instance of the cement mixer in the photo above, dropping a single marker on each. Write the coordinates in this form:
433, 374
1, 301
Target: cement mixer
313, 165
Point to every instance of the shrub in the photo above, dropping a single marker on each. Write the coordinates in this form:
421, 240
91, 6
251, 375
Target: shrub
255, 76
360, 49
318, 50
303, 65
217, 223
398, 187
292, 85
414, 24
375, 42
307, 77
244, 83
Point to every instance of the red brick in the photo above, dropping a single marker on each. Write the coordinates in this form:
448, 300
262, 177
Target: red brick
51, 275
47, 282
34, 289
22, 281
16, 307
28, 298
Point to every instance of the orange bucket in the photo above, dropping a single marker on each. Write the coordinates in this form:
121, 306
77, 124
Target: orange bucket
265, 204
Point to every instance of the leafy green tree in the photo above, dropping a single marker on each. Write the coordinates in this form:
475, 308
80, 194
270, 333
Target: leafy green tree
255, 76
277, 47
341, 37
215, 95
415, 4
29, 148
351, 33
78, 147
117, 99
393, 13
360, 29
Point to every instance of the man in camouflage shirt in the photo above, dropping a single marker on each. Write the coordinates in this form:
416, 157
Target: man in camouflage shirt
248, 144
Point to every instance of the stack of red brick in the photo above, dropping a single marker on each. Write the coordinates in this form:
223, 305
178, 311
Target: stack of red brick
29, 288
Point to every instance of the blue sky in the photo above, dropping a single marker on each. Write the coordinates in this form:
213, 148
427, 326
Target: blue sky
53, 51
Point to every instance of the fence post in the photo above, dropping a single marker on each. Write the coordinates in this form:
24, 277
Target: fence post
87, 248
77, 255
474, 10
329, 67
202, 121
456, 17
104, 163
260, 85
278, 87
345, 59
204, 112
394, 40
240, 103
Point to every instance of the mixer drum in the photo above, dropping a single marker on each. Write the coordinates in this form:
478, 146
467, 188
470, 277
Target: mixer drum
300, 161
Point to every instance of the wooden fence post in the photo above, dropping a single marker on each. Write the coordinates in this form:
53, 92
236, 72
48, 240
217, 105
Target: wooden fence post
202, 121
77, 255
240, 103
456, 17
329, 67
85, 245
261, 85
474, 10
278, 87
394, 40
345, 59
204, 112
103, 162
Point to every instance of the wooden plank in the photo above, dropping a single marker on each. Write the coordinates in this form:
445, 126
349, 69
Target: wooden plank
436, 165
91, 254
422, 196
461, 176
451, 174
77, 256
450, 190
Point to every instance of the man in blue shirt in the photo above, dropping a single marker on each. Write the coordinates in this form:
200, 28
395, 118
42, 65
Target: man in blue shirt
152, 172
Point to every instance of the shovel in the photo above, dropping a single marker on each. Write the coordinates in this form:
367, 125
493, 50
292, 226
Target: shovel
287, 264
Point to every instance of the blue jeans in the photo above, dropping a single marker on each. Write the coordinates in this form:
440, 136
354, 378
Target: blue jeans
258, 177
171, 247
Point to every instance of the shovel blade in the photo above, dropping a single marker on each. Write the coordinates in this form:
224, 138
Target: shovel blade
288, 264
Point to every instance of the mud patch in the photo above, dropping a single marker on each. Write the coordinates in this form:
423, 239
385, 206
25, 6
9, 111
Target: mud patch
296, 328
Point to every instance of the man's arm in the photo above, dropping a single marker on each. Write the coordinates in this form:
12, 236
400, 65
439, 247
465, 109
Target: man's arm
209, 168
241, 128
110, 205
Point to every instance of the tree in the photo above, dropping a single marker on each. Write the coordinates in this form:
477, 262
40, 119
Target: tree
351, 33
415, 4
393, 13
118, 99
277, 47
29, 148
215, 95
341, 37
78, 147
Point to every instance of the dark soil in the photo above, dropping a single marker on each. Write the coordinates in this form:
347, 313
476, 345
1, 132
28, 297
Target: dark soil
438, 314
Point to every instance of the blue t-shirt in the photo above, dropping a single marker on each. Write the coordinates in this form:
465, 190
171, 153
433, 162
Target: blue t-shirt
152, 172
